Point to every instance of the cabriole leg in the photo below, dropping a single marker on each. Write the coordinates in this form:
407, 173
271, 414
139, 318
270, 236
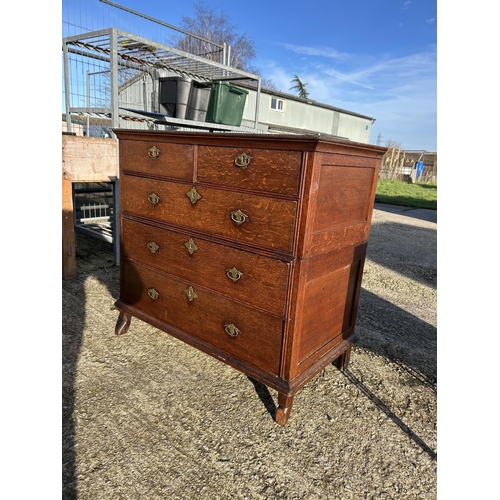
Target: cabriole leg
285, 407
123, 323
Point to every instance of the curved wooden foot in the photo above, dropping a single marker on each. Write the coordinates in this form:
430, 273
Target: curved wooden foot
343, 359
123, 323
285, 407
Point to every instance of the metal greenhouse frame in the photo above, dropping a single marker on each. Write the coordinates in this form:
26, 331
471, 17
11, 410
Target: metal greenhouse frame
114, 58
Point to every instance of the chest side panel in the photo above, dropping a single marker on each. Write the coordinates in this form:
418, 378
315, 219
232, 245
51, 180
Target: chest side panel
344, 188
327, 302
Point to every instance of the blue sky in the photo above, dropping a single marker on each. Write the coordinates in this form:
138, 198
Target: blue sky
376, 58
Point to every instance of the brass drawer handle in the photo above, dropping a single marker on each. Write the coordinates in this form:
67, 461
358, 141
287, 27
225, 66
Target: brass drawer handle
193, 195
153, 247
190, 293
191, 246
153, 198
242, 161
234, 274
231, 329
238, 217
153, 152
153, 293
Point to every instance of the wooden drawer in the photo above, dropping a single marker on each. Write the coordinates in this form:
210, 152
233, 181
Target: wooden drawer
266, 221
172, 160
268, 170
205, 316
257, 280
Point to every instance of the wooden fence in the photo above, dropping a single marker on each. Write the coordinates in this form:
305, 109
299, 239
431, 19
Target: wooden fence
398, 164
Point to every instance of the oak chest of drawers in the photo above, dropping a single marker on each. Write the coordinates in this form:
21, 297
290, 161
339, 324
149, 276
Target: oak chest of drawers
249, 247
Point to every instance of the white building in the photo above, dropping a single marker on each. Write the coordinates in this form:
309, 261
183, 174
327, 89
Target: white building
281, 112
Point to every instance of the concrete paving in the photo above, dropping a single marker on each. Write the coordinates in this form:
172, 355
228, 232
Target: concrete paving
417, 213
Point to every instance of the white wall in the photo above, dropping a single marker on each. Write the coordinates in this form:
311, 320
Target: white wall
354, 127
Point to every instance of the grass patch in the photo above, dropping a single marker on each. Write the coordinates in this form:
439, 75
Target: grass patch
408, 195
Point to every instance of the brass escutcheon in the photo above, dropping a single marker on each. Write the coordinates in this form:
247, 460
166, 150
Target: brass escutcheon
242, 160
193, 195
234, 274
238, 217
153, 152
153, 293
190, 293
191, 246
153, 198
231, 329
153, 247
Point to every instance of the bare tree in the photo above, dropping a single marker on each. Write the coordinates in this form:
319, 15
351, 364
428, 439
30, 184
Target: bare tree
216, 29
389, 143
266, 83
299, 87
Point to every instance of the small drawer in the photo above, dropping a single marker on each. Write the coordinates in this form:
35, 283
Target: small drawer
248, 277
157, 158
255, 169
247, 334
249, 218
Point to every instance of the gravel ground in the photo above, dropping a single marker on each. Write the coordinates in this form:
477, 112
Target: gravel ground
148, 417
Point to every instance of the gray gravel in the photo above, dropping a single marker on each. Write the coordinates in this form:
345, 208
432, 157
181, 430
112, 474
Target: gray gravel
148, 417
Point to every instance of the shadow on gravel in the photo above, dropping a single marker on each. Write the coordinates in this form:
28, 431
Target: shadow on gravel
410, 257
383, 407
265, 397
386, 329
73, 307
89, 252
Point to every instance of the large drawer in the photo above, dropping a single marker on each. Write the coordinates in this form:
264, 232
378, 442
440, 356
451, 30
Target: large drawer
255, 279
261, 220
204, 315
246, 168
157, 158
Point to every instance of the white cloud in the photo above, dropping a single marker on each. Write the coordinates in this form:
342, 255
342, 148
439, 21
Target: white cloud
400, 93
386, 76
317, 51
